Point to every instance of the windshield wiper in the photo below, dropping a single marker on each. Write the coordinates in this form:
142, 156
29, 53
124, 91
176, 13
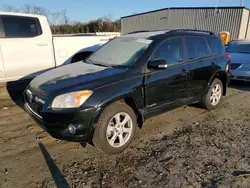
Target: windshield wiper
100, 64
87, 61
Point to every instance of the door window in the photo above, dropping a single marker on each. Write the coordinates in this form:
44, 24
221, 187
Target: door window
171, 51
196, 47
20, 27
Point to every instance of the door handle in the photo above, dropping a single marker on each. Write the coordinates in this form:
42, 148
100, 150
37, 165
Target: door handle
42, 44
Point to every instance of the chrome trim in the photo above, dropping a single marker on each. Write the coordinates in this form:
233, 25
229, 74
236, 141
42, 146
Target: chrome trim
32, 111
39, 100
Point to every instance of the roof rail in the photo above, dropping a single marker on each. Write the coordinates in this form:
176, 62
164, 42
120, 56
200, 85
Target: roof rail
169, 31
144, 31
137, 32
191, 30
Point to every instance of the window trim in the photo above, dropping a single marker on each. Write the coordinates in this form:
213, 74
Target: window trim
208, 52
165, 40
37, 23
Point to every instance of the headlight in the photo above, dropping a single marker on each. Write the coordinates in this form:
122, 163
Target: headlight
71, 100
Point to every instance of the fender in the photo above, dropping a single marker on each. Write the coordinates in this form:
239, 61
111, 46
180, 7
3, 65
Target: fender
128, 94
223, 76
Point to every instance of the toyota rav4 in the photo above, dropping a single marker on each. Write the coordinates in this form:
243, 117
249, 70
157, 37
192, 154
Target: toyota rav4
103, 99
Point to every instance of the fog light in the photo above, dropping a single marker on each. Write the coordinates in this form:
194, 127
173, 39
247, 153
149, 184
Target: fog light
72, 129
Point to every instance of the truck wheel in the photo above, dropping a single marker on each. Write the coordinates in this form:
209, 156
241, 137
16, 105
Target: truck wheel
213, 97
115, 128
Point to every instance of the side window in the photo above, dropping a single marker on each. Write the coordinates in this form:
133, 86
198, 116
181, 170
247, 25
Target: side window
170, 50
18, 27
196, 47
214, 44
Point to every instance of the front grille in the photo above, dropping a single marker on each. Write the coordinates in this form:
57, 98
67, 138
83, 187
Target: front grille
235, 66
35, 106
37, 93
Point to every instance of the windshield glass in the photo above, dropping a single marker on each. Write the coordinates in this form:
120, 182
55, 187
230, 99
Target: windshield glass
122, 51
239, 48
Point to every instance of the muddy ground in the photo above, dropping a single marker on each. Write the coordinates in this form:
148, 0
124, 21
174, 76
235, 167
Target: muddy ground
187, 147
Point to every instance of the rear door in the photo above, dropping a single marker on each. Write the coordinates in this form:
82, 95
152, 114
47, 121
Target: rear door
25, 48
166, 89
199, 62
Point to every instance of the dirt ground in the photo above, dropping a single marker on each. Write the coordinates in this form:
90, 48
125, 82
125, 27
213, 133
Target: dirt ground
187, 147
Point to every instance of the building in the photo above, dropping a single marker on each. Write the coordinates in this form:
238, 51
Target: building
232, 19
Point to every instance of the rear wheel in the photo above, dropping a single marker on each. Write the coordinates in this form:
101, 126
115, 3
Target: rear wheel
115, 128
214, 95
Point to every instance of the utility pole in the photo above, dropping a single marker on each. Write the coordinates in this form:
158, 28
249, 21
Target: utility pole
242, 3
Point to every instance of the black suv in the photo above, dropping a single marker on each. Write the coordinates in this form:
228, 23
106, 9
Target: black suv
104, 98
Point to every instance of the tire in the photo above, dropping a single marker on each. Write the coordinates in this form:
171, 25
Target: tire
104, 139
212, 99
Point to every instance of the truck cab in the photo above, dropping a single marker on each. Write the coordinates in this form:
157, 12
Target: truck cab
28, 48
25, 45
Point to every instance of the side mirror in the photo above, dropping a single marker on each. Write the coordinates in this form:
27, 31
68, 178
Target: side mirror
158, 64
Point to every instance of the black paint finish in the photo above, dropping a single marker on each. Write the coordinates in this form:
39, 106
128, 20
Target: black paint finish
153, 91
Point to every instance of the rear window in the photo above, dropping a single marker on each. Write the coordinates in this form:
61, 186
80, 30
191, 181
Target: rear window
19, 27
214, 45
196, 47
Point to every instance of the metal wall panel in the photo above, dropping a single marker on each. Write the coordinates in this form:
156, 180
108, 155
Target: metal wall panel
244, 23
212, 19
248, 28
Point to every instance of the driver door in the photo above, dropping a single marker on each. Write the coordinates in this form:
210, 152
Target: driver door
166, 88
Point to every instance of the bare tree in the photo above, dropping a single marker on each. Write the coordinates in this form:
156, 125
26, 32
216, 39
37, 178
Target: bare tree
54, 18
65, 18
60, 23
27, 8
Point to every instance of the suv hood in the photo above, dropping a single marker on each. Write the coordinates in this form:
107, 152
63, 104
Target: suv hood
240, 58
75, 75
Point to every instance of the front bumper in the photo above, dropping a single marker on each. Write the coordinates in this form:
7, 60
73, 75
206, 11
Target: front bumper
56, 123
240, 75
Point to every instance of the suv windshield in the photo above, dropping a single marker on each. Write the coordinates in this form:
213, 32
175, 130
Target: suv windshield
239, 48
122, 51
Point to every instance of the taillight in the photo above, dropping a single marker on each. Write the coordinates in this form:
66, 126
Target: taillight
228, 56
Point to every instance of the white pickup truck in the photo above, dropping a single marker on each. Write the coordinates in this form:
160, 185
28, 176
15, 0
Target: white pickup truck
27, 47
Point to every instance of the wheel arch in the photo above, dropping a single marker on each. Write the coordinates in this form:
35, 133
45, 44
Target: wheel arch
127, 99
223, 77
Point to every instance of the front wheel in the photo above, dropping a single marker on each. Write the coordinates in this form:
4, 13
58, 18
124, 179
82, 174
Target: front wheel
115, 128
213, 97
